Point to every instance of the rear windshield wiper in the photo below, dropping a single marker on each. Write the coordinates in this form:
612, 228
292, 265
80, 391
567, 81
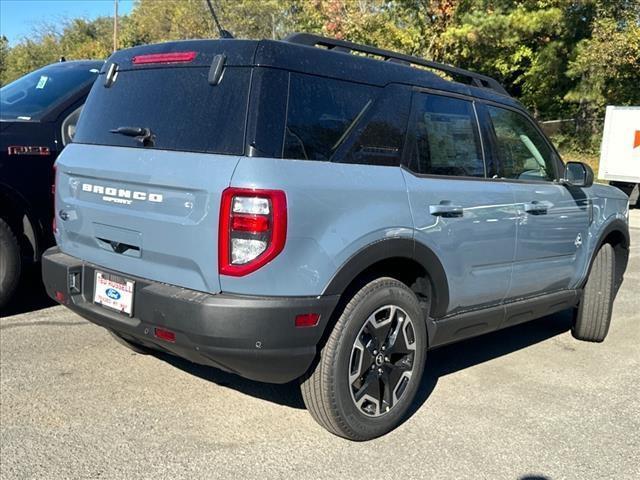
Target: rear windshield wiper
142, 134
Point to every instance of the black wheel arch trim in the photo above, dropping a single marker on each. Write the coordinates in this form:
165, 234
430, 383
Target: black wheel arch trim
613, 226
18, 206
395, 248
616, 225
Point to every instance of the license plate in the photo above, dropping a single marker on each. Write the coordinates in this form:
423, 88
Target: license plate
113, 291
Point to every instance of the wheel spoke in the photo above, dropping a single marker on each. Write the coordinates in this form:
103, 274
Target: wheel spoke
370, 390
388, 386
364, 359
400, 339
380, 328
372, 344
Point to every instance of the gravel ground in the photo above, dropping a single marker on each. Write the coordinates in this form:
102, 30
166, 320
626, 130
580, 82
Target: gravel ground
529, 402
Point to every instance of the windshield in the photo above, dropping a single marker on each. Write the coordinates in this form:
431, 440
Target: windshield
28, 97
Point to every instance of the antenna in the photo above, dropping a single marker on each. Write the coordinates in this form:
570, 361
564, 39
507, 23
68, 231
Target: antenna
221, 31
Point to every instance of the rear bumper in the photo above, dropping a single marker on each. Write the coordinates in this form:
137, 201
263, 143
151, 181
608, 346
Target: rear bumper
254, 337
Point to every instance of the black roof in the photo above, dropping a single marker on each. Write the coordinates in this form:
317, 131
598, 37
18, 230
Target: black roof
298, 54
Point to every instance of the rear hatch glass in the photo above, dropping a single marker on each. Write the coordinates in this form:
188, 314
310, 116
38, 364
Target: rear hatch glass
178, 105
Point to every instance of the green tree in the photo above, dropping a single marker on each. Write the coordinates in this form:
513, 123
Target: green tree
605, 69
4, 52
30, 55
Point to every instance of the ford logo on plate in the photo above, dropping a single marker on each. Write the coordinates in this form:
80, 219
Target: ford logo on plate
113, 294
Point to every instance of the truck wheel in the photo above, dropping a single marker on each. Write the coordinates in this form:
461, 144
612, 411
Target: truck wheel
593, 315
370, 368
134, 347
10, 263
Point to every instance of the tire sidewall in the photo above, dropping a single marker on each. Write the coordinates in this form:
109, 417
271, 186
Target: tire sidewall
584, 320
10, 263
364, 425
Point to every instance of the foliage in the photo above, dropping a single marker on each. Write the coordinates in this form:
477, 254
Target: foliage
561, 58
4, 51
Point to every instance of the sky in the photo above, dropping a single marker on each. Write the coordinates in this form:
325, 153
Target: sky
19, 17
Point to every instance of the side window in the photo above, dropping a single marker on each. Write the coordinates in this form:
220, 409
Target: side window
380, 137
445, 139
523, 152
322, 113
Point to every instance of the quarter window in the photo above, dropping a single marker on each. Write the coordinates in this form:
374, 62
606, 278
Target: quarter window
322, 114
445, 139
380, 137
522, 150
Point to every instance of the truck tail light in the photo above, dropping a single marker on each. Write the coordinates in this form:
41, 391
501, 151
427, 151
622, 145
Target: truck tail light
253, 229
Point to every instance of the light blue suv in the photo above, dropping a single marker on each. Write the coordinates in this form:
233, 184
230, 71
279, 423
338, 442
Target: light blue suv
291, 210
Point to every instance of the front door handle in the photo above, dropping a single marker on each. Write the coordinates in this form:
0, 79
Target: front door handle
446, 209
536, 208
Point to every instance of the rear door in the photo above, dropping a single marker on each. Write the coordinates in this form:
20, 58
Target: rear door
553, 219
466, 218
149, 206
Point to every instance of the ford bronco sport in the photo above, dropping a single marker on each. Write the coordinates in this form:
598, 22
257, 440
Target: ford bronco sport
319, 210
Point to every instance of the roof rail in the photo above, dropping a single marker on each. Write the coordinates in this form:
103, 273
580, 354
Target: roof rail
473, 78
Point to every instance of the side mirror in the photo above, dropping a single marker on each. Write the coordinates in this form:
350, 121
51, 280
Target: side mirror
578, 174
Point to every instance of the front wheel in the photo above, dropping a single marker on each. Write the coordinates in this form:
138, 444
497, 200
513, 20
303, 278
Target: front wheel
593, 315
370, 368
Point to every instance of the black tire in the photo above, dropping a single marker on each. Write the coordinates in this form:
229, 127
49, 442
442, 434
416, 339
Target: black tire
593, 315
134, 347
330, 388
10, 263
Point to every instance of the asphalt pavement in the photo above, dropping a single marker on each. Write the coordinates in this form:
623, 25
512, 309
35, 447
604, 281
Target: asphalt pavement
529, 402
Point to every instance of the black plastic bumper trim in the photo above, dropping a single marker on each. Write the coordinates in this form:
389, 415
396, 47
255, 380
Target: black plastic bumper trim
252, 336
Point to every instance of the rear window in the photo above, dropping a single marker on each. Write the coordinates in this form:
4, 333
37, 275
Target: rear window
30, 96
445, 138
178, 105
321, 115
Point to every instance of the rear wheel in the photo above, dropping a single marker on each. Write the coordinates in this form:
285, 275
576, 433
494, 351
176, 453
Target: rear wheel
370, 369
10, 263
593, 315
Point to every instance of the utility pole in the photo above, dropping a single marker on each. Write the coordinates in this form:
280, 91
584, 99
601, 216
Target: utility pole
115, 26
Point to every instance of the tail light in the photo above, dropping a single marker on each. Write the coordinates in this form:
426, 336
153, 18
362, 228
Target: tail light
253, 229
53, 192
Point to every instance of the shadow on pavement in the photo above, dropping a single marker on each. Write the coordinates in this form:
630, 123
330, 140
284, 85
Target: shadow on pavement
287, 394
440, 362
465, 354
30, 296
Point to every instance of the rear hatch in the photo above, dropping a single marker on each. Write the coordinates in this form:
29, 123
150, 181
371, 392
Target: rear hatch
148, 206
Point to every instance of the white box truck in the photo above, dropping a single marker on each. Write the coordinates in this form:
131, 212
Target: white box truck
620, 152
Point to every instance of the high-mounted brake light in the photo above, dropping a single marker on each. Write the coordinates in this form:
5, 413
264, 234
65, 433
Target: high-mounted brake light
173, 57
252, 231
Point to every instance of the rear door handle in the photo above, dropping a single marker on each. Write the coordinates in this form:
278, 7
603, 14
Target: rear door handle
446, 209
535, 208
